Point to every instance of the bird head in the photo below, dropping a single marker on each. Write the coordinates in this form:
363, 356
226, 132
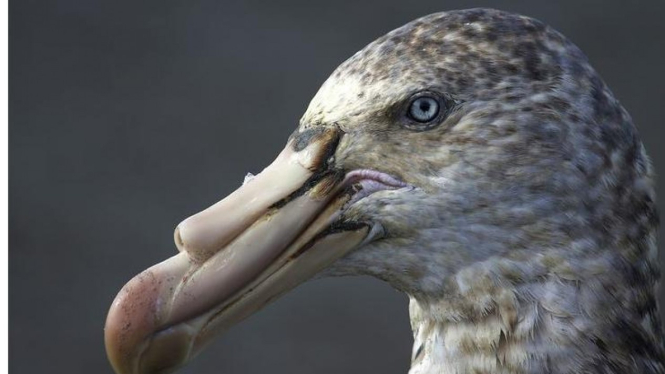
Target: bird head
457, 138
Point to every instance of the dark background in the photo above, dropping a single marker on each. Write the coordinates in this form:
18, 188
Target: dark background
128, 116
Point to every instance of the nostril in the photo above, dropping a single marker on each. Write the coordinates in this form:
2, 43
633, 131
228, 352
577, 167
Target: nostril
178, 240
196, 239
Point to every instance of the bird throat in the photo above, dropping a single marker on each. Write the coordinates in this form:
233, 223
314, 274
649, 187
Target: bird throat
486, 324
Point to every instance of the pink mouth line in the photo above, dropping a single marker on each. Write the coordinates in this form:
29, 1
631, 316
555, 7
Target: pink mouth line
370, 181
377, 176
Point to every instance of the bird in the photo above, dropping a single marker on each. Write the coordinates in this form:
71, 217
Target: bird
472, 159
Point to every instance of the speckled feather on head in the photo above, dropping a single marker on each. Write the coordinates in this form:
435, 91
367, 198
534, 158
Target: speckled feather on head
538, 254
520, 218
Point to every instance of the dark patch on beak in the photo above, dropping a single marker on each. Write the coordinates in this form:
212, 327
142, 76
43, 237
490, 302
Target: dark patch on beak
302, 139
325, 176
329, 136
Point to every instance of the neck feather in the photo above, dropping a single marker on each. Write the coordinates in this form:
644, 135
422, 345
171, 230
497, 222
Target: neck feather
502, 316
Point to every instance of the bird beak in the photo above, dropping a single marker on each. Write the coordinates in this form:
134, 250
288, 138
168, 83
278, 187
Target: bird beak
238, 255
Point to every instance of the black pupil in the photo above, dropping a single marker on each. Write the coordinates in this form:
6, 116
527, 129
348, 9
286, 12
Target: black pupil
424, 105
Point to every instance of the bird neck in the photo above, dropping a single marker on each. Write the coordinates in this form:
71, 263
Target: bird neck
494, 317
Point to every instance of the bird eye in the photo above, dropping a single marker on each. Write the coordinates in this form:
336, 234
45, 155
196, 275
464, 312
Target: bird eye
424, 109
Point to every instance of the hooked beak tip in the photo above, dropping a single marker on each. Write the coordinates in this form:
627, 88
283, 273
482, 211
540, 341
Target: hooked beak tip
130, 322
136, 329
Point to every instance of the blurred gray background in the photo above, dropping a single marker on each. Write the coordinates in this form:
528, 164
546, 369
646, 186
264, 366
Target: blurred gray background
128, 116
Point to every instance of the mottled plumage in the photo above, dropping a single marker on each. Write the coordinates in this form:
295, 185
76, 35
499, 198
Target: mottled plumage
520, 219
537, 253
